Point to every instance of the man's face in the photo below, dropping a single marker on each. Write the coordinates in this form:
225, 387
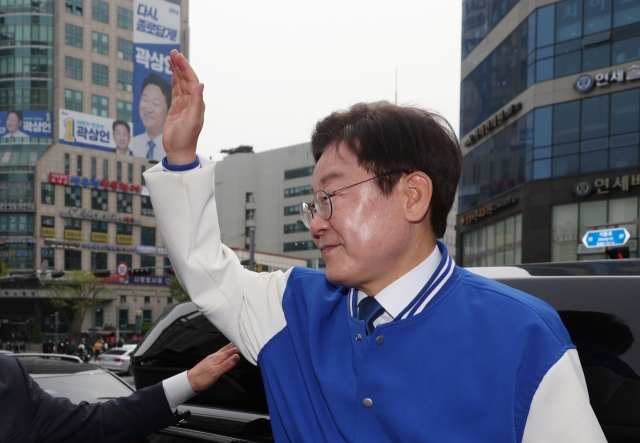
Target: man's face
121, 136
153, 109
367, 234
13, 122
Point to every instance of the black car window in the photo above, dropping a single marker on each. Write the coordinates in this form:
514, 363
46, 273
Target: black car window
84, 387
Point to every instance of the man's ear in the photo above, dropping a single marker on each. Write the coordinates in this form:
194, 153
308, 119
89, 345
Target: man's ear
418, 190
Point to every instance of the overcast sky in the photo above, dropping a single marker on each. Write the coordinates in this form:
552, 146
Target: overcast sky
271, 69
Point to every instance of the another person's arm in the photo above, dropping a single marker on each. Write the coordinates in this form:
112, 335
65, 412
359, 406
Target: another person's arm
245, 306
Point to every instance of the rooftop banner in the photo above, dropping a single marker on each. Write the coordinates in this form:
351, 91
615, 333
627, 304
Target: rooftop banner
21, 124
156, 32
92, 131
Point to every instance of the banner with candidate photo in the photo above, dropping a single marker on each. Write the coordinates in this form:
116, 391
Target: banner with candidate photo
156, 32
24, 123
92, 131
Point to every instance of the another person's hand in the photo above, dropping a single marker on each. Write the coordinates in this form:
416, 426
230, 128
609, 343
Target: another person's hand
203, 375
186, 116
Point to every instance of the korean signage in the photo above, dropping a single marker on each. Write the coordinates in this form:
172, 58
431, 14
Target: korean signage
494, 122
23, 124
486, 211
15, 293
17, 207
149, 280
17, 241
156, 32
48, 232
604, 185
104, 247
92, 131
586, 82
99, 216
85, 182
124, 239
72, 234
100, 237
150, 250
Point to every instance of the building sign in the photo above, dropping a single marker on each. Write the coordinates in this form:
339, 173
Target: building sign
149, 280
486, 211
494, 122
100, 237
47, 232
17, 241
103, 247
150, 250
85, 182
17, 207
586, 82
21, 293
23, 124
72, 234
94, 132
156, 33
604, 185
124, 239
85, 214
14, 254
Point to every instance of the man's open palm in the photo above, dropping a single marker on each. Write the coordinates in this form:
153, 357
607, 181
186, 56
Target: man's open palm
186, 116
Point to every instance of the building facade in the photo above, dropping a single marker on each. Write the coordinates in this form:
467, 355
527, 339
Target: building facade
549, 123
64, 207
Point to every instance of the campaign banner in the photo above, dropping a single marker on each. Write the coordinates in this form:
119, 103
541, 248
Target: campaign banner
156, 32
23, 124
94, 132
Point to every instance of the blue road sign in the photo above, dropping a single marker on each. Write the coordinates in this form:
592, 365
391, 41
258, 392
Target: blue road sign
606, 237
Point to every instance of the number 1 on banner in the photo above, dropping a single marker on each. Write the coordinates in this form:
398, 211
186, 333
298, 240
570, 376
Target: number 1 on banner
68, 134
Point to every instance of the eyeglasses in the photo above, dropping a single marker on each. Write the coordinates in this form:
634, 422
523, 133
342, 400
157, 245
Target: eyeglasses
322, 202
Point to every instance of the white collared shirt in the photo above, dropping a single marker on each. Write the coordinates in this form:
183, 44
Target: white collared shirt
397, 296
141, 146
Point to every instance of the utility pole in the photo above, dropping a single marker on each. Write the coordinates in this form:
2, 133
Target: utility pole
252, 248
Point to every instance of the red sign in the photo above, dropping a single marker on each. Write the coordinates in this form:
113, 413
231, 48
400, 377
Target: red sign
59, 179
122, 269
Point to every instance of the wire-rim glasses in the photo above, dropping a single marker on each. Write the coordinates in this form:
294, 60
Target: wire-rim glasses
322, 202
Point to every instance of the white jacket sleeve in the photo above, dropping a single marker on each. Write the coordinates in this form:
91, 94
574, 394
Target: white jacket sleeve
560, 410
245, 306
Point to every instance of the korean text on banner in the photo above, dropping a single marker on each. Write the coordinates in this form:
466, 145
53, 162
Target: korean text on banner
22, 124
92, 131
156, 33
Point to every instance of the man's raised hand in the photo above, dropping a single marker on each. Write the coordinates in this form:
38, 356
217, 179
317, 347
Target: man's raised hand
186, 116
203, 375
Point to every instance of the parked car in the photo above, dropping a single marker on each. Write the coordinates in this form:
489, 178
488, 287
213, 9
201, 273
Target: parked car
117, 360
598, 301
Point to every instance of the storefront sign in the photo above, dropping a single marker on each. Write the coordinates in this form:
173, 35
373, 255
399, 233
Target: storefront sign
17, 241
85, 182
586, 82
61, 244
17, 207
22, 293
494, 122
149, 280
48, 232
150, 250
103, 247
486, 211
99, 216
124, 239
100, 236
72, 234
14, 254
605, 184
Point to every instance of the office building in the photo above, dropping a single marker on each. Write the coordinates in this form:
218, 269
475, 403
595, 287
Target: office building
549, 123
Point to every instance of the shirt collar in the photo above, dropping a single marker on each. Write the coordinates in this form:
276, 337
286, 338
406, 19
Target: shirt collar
397, 296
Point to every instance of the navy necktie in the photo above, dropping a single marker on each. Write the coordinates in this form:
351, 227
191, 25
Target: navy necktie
369, 310
151, 145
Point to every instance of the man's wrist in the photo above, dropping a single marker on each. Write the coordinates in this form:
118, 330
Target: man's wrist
180, 168
180, 159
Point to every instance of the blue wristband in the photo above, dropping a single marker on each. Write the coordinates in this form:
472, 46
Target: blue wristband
180, 168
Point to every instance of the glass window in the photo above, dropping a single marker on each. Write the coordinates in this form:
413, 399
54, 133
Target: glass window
47, 221
100, 105
545, 26
124, 258
74, 6
569, 148
48, 254
297, 191
591, 214
105, 169
568, 20
142, 169
146, 313
93, 167
101, 227
99, 320
125, 18
298, 172
125, 49
625, 111
564, 238
48, 195
624, 140
123, 318
595, 117
300, 246
544, 70
567, 64
566, 165
73, 100
99, 261
125, 81
594, 161
100, 43
124, 203
625, 12
626, 50
566, 122
130, 173
99, 74
73, 196
100, 11
123, 299
72, 260
73, 35
623, 157
292, 210
67, 163
122, 229
622, 210
119, 171
73, 68
146, 208
79, 166
125, 111
167, 266
541, 169
148, 236
16, 224
596, 57
148, 261
99, 200
597, 16
295, 227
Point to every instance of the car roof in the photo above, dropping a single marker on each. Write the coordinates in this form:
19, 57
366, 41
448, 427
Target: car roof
36, 365
629, 267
